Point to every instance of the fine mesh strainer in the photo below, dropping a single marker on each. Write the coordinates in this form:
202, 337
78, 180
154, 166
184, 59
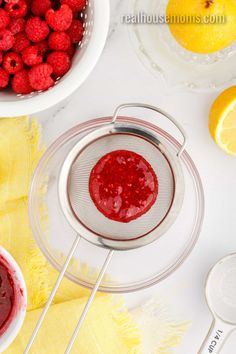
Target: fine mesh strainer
93, 226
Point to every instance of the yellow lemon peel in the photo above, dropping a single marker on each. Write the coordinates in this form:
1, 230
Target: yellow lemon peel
205, 37
222, 121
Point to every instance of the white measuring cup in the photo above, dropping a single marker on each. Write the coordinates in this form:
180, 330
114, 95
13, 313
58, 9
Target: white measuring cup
221, 299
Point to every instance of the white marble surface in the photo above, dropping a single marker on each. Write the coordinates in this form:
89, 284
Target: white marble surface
119, 77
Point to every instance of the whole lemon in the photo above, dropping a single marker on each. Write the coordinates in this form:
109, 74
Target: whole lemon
203, 26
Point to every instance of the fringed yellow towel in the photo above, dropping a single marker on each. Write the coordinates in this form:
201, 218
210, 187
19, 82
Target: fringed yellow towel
107, 329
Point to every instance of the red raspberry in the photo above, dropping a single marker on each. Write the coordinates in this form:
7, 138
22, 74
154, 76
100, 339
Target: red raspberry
59, 20
59, 41
71, 51
76, 31
6, 40
40, 77
21, 42
11, 1
20, 83
12, 63
17, 10
4, 19
60, 62
4, 78
42, 47
16, 25
31, 56
1, 57
75, 5
40, 7
36, 29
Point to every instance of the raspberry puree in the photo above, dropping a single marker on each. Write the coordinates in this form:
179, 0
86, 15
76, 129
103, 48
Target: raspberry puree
7, 297
123, 185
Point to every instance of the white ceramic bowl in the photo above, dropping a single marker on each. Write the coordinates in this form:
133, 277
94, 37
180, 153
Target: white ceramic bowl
18, 316
96, 29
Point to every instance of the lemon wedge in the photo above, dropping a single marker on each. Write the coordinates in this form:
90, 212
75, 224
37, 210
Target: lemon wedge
222, 121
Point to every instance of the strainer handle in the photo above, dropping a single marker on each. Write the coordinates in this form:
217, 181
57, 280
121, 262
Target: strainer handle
51, 296
158, 110
216, 337
89, 302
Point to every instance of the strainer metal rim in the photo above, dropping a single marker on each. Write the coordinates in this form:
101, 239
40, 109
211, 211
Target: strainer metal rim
161, 228
138, 237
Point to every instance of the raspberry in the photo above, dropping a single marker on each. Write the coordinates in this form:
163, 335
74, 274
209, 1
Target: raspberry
4, 78
40, 7
38, 39
4, 19
16, 25
71, 51
40, 77
36, 29
76, 31
17, 10
59, 20
60, 62
21, 42
6, 40
12, 63
75, 5
20, 83
42, 47
59, 41
11, 1
31, 56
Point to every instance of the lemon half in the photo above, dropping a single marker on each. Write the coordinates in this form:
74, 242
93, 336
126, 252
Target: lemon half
222, 121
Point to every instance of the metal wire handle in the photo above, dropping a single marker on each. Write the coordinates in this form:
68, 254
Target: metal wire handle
53, 293
158, 110
90, 300
51, 296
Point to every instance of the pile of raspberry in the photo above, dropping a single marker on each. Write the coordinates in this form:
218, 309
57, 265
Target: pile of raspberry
38, 39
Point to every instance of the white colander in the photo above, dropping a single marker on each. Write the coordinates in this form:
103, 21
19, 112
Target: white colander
84, 60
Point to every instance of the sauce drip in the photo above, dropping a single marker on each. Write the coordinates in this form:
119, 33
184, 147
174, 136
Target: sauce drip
123, 185
6, 297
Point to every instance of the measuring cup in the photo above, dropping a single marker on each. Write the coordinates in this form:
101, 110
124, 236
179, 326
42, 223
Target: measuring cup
221, 299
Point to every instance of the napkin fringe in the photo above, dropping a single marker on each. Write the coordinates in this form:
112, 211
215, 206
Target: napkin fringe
38, 265
128, 330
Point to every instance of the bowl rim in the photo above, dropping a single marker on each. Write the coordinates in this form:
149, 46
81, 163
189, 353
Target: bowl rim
12, 331
186, 159
61, 91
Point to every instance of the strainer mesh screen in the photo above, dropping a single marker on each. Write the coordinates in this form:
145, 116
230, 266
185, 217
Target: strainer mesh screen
85, 210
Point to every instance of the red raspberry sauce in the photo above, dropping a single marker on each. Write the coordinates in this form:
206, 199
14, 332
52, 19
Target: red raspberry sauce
123, 186
7, 297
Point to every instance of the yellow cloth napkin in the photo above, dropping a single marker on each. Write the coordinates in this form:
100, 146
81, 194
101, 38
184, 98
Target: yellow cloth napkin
103, 331
108, 329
